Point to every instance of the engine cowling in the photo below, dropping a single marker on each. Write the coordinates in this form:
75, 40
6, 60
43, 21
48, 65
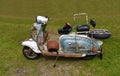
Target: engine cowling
73, 43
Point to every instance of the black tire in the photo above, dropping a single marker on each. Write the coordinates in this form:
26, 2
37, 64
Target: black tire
88, 57
101, 54
29, 53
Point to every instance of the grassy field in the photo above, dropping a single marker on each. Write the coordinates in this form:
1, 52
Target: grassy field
17, 17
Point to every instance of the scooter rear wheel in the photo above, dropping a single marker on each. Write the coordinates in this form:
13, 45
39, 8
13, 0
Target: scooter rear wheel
101, 54
29, 53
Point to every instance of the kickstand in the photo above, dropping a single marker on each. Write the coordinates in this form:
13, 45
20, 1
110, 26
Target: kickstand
56, 60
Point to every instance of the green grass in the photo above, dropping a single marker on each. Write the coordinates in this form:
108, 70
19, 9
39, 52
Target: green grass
17, 17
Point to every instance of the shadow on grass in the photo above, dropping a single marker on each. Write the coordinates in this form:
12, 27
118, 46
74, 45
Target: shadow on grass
69, 58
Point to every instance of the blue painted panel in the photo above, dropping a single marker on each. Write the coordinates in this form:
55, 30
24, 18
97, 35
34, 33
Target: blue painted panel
77, 44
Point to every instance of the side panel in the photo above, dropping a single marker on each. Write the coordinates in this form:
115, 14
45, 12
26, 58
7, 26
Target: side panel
77, 44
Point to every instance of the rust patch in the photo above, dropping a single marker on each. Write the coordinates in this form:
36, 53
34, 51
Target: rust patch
79, 47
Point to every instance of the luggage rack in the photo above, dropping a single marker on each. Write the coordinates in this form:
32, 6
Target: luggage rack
100, 31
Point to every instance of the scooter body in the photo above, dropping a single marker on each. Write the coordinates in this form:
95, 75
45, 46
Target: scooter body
71, 45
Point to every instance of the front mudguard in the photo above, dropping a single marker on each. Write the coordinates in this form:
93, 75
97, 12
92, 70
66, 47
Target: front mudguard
31, 44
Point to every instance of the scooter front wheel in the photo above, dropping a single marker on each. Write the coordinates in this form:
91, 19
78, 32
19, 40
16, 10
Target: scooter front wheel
101, 54
29, 53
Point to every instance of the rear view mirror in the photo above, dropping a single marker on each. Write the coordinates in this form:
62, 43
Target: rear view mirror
92, 22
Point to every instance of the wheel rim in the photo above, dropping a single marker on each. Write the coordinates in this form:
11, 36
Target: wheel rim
29, 53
